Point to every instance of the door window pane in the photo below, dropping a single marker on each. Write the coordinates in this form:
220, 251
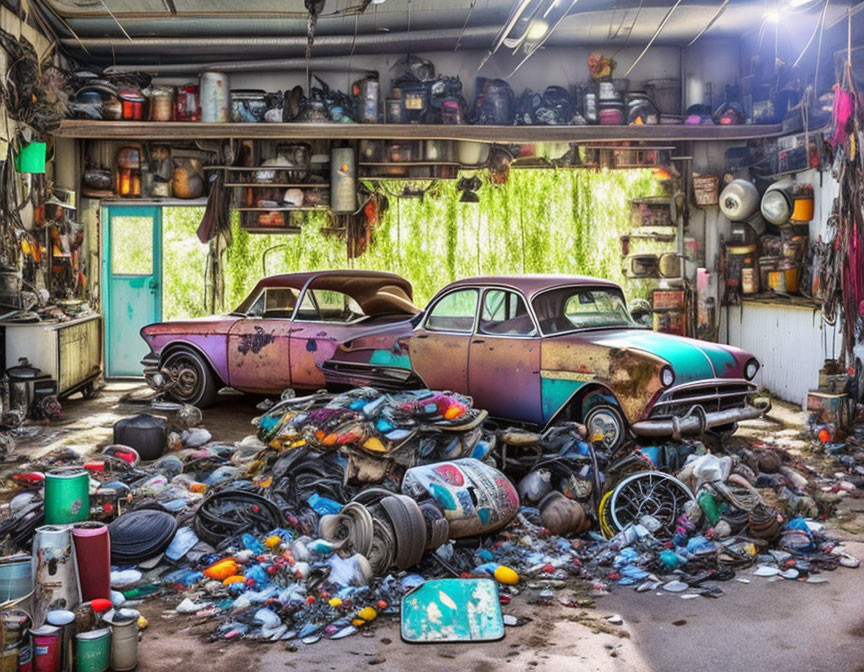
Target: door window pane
131, 246
505, 313
455, 312
280, 302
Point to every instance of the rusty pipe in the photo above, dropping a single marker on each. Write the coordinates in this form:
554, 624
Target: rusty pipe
332, 64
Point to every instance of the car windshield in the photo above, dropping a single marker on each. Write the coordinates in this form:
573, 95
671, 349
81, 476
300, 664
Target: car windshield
570, 308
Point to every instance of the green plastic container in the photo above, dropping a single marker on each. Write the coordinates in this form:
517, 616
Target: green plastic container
93, 650
31, 158
67, 496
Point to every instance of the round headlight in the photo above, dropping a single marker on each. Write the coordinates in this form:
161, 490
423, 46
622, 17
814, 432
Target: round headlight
750, 369
667, 376
776, 206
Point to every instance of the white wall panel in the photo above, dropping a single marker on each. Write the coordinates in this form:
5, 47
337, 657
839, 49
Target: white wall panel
790, 342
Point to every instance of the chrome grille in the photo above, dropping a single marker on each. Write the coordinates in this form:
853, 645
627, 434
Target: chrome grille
713, 395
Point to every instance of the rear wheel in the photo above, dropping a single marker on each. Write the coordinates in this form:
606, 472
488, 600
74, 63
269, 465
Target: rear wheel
606, 426
192, 379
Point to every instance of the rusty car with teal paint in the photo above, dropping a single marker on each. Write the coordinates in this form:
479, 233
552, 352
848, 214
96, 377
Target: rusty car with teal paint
543, 349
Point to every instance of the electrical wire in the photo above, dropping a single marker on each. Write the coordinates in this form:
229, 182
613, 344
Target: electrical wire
653, 37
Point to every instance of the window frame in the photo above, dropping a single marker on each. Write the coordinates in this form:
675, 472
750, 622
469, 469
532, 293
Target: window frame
428, 312
530, 311
308, 291
575, 329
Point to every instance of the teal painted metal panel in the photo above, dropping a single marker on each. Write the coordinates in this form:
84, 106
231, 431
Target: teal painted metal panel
555, 393
689, 358
453, 610
132, 283
387, 358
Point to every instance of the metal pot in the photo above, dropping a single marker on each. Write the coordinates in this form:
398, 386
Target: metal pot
124, 645
22, 385
739, 200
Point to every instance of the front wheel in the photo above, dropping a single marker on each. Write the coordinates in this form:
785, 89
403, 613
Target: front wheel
191, 379
606, 426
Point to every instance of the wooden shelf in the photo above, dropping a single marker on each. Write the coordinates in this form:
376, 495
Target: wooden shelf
180, 130
277, 185
284, 208
272, 229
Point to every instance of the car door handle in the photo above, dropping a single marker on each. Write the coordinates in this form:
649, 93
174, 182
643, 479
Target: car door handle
421, 335
153, 284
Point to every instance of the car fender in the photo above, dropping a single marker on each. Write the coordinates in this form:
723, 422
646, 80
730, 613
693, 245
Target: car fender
591, 394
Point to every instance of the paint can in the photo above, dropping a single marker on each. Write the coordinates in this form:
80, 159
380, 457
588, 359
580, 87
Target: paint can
93, 558
16, 577
124, 645
215, 97
67, 496
46, 648
54, 571
13, 632
25, 655
9, 659
93, 650
65, 621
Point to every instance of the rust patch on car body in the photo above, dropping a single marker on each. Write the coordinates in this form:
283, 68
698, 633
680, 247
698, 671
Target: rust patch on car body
255, 342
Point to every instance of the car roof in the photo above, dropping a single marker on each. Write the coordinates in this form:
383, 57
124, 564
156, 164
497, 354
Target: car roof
530, 285
333, 278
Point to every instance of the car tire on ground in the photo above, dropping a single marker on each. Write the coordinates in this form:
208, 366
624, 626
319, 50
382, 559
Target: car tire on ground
607, 420
409, 526
195, 381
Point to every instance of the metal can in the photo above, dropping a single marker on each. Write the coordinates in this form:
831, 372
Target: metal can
25, 656
9, 659
365, 93
215, 97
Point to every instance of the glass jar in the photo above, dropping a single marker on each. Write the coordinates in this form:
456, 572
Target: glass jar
161, 103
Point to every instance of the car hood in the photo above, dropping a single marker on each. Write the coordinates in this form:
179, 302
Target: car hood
689, 358
212, 324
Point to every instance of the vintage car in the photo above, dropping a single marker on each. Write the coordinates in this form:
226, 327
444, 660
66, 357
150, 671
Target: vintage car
539, 349
278, 336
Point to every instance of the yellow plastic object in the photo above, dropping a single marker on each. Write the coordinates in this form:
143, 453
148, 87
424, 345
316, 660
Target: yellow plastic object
272, 541
357, 622
222, 570
367, 614
142, 623
506, 576
334, 602
802, 210
234, 578
374, 444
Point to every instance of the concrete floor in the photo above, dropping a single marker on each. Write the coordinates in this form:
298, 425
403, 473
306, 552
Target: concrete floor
761, 626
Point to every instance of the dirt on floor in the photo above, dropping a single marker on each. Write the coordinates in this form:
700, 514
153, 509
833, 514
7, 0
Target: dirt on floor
760, 625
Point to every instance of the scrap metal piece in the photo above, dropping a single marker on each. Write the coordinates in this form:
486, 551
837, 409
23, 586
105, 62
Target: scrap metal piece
649, 493
453, 610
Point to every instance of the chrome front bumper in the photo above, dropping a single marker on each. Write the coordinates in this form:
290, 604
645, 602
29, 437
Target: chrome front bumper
697, 421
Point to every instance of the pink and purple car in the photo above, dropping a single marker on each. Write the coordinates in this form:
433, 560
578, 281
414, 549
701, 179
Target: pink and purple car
529, 349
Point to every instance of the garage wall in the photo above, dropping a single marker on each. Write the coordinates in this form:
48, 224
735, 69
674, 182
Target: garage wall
791, 342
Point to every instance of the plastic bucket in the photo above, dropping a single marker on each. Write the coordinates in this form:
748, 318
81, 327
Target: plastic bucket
93, 650
67, 496
124, 645
31, 158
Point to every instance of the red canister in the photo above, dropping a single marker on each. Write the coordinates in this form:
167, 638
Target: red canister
25, 657
93, 555
47, 643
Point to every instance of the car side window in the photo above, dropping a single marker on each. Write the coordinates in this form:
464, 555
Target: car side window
274, 303
454, 312
325, 305
505, 314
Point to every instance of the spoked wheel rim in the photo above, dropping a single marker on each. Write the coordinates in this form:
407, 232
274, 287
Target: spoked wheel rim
649, 493
606, 422
186, 377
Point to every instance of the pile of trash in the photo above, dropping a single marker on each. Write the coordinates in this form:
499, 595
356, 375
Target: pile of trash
344, 506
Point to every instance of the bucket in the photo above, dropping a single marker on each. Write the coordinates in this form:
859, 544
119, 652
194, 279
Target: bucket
54, 572
65, 620
666, 94
93, 557
31, 158
47, 641
67, 496
93, 650
124, 645
16, 577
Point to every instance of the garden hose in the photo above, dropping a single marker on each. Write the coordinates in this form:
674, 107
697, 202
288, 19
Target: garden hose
606, 526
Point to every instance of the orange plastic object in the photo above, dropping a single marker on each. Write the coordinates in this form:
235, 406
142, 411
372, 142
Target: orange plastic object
234, 578
222, 570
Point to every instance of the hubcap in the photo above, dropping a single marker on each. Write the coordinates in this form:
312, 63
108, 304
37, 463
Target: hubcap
185, 376
606, 424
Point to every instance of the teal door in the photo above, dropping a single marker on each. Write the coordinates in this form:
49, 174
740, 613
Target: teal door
132, 273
